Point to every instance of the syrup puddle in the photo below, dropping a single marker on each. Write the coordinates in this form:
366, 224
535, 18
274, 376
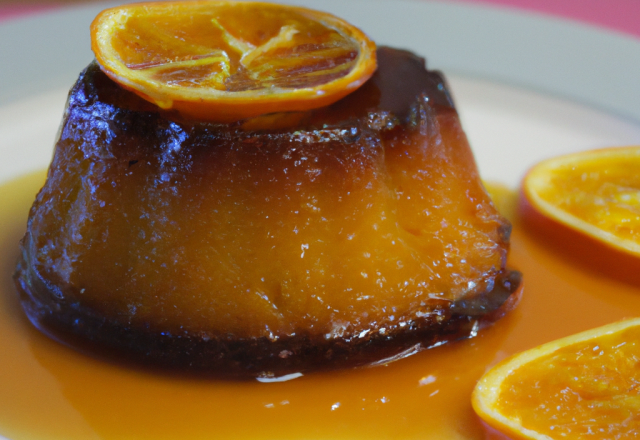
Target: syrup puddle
49, 391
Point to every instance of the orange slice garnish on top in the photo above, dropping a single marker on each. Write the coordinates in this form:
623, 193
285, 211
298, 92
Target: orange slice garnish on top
585, 386
226, 61
595, 193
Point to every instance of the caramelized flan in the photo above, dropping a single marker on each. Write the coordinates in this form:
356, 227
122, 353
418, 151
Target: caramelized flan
348, 235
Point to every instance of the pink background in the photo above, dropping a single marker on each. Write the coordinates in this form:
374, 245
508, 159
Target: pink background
619, 15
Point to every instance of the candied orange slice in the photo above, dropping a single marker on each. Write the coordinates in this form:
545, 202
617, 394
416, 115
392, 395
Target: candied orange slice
225, 61
596, 193
585, 386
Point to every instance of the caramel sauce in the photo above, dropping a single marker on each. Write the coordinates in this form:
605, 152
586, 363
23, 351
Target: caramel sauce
49, 391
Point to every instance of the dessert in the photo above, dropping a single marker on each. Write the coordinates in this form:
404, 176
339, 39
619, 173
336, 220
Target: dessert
358, 233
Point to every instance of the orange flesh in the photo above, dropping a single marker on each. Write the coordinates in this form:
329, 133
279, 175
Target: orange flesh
48, 391
586, 390
608, 199
321, 53
226, 61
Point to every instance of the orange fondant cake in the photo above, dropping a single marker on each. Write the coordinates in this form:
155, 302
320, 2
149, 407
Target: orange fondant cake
359, 234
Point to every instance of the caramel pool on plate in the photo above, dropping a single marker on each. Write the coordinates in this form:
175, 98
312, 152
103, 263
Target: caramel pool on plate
48, 391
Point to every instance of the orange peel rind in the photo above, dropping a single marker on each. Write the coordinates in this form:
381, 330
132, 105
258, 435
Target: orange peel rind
226, 61
595, 193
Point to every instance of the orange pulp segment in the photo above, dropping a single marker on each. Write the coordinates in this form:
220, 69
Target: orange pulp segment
226, 61
596, 193
585, 386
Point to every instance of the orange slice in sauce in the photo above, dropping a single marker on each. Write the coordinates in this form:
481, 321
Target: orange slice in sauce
585, 386
595, 193
226, 61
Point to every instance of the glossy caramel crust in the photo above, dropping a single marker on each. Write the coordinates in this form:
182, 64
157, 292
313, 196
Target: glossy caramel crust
115, 127
234, 358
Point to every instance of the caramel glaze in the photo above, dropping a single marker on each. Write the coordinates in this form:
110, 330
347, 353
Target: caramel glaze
400, 99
